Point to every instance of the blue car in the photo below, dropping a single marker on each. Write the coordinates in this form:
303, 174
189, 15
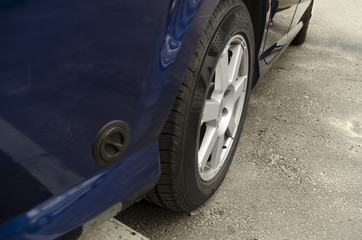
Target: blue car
103, 103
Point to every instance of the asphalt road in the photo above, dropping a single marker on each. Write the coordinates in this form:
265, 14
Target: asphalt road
297, 173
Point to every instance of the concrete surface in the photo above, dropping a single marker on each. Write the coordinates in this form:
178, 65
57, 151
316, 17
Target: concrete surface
297, 173
112, 230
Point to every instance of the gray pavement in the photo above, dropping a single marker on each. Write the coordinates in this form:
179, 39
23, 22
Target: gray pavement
111, 230
297, 173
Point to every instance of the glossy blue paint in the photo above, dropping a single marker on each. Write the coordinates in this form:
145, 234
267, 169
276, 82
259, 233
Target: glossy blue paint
85, 201
66, 69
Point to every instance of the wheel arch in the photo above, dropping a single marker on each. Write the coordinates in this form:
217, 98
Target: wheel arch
258, 11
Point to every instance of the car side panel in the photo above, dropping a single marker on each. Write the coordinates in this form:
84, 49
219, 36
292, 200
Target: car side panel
281, 16
66, 70
269, 55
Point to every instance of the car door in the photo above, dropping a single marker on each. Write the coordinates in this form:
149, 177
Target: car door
280, 19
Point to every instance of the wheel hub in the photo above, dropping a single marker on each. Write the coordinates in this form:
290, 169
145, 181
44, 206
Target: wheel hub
222, 111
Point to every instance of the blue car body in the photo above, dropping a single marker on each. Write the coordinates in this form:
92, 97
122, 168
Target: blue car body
67, 68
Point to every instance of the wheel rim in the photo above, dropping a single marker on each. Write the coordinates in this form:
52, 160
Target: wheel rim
223, 107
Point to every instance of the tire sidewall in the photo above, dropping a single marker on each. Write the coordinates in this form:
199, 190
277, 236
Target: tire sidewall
232, 21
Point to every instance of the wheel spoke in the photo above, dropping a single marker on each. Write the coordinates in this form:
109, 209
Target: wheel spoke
207, 145
234, 65
211, 110
221, 73
240, 87
231, 128
216, 153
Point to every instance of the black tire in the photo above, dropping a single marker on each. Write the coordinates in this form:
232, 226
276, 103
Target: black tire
180, 187
302, 35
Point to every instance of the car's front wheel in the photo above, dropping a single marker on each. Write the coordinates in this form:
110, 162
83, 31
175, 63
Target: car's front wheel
204, 125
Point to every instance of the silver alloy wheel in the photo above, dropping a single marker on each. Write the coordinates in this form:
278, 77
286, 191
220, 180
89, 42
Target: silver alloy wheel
222, 110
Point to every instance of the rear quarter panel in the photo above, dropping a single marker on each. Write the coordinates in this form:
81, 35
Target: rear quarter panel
67, 69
